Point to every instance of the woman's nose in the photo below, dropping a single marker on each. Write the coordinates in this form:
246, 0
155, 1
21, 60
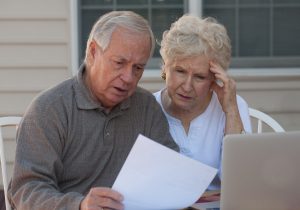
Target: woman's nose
187, 84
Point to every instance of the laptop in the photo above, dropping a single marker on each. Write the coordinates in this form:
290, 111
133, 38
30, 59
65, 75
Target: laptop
261, 172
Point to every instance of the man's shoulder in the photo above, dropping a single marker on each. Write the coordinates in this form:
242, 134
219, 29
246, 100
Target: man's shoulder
144, 97
141, 90
143, 93
52, 94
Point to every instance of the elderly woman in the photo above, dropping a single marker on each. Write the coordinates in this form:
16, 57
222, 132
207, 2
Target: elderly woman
200, 100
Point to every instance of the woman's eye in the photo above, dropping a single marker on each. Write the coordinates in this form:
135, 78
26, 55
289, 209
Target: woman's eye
200, 77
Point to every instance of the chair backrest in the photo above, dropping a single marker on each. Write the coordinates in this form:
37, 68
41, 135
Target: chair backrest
6, 121
266, 119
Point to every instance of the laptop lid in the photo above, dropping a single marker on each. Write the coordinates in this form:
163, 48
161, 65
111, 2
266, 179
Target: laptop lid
261, 171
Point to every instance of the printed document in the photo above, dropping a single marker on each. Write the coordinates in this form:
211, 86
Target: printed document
155, 177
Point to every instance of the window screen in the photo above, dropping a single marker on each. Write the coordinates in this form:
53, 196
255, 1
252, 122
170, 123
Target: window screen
264, 33
159, 13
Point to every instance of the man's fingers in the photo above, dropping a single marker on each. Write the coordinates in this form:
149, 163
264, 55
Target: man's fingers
107, 192
102, 197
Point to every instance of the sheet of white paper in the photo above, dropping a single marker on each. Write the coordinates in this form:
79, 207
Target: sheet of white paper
155, 177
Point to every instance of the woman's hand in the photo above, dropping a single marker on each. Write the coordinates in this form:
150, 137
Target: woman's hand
225, 88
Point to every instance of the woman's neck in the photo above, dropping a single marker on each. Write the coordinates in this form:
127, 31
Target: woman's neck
185, 116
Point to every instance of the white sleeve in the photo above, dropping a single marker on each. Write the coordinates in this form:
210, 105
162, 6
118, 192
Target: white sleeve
244, 113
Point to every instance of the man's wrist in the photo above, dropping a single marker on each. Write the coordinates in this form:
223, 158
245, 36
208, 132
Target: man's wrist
243, 132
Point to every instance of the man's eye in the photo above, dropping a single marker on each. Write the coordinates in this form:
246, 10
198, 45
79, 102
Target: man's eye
139, 68
118, 62
179, 70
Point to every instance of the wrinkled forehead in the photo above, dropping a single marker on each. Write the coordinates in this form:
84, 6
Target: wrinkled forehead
130, 46
124, 35
195, 60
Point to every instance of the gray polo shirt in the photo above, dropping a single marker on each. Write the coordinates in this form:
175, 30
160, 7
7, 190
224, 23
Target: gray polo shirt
67, 144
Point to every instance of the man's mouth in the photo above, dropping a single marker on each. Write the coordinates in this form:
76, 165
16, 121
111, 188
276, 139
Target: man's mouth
121, 91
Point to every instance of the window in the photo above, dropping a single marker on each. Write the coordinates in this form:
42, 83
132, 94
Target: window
264, 33
159, 13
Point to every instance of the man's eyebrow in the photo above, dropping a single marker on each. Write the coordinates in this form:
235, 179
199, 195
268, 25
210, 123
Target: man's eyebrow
118, 57
178, 67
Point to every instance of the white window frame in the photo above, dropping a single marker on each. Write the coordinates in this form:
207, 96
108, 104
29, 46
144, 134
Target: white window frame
74, 40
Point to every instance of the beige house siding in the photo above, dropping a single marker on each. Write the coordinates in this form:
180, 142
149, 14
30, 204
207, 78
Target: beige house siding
278, 96
34, 55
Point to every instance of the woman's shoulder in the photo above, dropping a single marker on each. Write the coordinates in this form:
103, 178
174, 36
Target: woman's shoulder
241, 101
157, 95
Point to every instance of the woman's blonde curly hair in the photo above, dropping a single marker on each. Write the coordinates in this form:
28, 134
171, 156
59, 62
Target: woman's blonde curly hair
192, 36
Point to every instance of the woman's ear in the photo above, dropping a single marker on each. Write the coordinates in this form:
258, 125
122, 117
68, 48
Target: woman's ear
163, 70
163, 73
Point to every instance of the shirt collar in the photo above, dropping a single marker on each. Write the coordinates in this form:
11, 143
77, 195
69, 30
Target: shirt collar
84, 98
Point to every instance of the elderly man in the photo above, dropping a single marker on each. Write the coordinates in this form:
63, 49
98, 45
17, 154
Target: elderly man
75, 137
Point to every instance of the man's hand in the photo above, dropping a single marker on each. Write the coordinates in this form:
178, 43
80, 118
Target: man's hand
100, 198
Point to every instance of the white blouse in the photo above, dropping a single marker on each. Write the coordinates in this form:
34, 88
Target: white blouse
204, 139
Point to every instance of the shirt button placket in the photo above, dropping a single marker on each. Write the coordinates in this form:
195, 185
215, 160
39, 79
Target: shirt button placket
107, 132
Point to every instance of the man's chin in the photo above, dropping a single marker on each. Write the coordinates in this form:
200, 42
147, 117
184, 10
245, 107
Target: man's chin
117, 99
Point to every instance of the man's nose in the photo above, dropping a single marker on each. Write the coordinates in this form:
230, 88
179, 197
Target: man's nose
127, 74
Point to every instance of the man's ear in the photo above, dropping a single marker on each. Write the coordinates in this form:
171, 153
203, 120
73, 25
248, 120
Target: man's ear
92, 50
91, 53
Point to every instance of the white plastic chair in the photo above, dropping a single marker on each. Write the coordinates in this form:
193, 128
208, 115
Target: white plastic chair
6, 121
264, 118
